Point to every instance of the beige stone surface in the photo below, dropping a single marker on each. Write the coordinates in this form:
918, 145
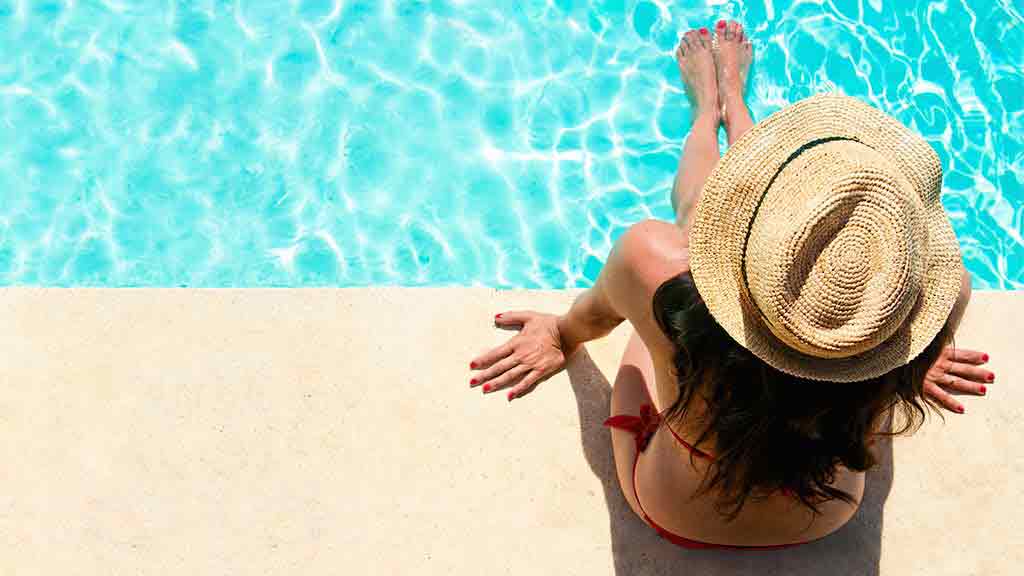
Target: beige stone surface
333, 431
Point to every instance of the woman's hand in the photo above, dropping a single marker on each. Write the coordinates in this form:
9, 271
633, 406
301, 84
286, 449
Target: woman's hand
527, 359
958, 370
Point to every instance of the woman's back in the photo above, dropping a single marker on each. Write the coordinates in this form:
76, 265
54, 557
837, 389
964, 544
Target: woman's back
666, 478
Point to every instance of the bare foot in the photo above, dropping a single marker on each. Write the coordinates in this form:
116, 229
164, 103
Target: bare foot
697, 67
734, 55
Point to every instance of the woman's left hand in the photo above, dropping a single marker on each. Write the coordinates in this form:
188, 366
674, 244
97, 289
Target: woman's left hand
960, 371
527, 359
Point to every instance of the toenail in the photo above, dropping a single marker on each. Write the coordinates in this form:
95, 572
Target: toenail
704, 31
721, 23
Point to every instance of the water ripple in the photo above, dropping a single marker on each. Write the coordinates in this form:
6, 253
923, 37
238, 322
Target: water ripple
506, 144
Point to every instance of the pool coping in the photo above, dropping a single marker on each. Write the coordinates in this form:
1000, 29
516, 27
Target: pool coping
313, 429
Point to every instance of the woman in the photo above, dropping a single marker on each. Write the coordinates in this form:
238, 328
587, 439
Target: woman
812, 292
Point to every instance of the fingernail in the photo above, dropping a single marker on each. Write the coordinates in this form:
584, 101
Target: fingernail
983, 389
472, 381
472, 365
960, 409
991, 377
496, 316
510, 396
984, 357
487, 387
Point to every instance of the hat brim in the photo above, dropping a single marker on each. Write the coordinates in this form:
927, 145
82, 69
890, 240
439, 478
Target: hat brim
729, 201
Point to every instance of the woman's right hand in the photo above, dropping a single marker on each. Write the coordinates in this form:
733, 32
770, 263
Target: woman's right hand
957, 370
533, 355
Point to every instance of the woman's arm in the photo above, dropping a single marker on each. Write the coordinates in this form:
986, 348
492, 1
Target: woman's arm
644, 255
592, 314
961, 302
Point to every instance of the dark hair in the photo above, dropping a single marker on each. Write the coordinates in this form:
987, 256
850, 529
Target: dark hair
774, 431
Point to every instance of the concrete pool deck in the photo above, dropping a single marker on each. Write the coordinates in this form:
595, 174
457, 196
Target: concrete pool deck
318, 431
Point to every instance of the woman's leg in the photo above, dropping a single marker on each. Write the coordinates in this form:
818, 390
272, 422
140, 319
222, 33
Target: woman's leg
734, 56
700, 153
716, 97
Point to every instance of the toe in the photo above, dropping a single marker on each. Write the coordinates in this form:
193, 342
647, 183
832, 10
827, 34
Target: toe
740, 33
732, 31
720, 28
705, 38
692, 40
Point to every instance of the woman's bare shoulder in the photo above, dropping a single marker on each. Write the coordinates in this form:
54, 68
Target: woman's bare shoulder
655, 251
648, 254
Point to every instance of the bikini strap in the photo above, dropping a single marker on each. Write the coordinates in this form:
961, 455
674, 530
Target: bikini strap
698, 452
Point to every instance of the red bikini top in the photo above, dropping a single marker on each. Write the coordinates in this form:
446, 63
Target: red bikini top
645, 425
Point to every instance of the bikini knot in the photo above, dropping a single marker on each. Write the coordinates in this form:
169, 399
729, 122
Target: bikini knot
649, 422
643, 426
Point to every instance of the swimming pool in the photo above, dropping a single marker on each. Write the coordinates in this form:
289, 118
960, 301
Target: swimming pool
504, 144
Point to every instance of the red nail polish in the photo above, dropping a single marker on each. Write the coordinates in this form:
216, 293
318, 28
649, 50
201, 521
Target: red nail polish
984, 357
472, 365
721, 23
983, 389
991, 377
704, 31
472, 381
960, 409
487, 387
510, 396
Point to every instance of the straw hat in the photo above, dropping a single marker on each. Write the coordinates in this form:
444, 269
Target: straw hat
820, 244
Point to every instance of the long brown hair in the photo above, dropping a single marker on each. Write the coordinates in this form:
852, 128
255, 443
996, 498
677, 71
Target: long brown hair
773, 431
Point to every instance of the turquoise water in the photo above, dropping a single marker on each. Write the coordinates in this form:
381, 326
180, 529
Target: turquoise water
504, 144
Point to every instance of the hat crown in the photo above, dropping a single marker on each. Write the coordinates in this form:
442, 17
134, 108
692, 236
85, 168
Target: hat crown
883, 245
834, 261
